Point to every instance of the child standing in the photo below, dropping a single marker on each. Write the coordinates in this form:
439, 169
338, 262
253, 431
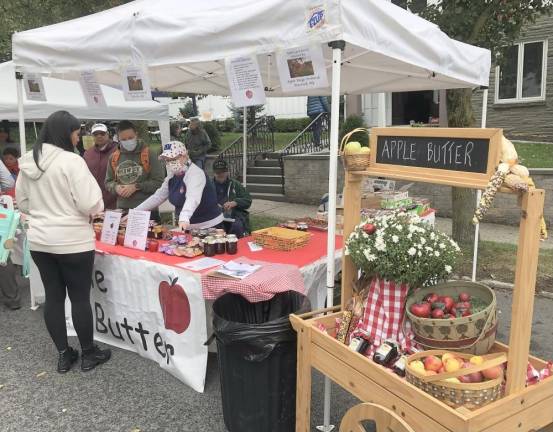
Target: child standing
9, 157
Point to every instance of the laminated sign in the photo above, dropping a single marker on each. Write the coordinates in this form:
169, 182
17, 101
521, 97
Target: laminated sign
34, 87
302, 68
245, 82
91, 89
136, 84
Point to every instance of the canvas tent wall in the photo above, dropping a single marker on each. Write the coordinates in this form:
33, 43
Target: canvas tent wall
67, 95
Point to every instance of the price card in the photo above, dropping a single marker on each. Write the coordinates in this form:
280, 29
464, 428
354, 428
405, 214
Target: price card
110, 229
137, 229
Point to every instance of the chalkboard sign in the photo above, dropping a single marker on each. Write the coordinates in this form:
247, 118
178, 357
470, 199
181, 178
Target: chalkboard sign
457, 154
454, 156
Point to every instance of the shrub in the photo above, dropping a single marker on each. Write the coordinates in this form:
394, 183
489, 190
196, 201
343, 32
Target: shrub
292, 124
352, 122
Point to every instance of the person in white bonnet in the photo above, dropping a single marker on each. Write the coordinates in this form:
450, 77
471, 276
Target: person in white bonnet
188, 188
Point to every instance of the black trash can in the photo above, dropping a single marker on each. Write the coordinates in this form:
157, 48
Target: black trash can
256, 348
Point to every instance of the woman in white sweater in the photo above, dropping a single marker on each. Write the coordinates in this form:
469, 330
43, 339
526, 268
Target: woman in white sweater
58, 192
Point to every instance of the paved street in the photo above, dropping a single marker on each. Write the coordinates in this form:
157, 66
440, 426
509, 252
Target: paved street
131, 393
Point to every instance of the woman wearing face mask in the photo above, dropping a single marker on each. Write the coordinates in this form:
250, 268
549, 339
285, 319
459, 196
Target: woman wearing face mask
188, 188
134, 172
58, 192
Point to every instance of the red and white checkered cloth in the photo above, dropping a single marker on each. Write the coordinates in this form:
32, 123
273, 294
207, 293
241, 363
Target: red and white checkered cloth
262, 285
384, 314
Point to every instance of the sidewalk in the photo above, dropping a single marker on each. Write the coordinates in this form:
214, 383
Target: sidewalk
488, 231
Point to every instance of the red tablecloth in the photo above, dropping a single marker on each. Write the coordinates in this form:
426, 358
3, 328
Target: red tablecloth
280, 271
313, 251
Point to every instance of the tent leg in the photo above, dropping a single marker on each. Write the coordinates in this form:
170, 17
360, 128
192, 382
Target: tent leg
245, 147
21, 113
381, 109
337, 48
479, 192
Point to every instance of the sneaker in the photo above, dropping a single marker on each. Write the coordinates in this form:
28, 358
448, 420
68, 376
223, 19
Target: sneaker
66, 360
94, 357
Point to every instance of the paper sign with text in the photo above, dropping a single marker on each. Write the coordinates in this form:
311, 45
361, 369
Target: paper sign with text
244, 78
136, 84
110, 229
136, 234
302, 68
91, 89
34, 87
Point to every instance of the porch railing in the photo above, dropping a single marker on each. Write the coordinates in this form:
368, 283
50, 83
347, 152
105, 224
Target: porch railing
260, 141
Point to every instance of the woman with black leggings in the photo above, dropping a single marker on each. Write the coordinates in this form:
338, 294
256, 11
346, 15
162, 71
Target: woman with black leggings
58, 192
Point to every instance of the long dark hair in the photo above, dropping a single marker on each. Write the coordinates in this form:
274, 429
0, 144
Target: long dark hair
5, 127
56, 130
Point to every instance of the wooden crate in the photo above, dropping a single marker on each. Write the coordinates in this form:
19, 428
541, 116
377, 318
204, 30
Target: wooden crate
521, 409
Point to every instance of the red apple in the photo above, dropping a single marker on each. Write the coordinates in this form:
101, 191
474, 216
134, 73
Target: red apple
448, 302
175, 306
466, 313
431, 298
432, 363
369, 228
464, 297
438, 314
493, 372
421, 310
464, 379
475, 377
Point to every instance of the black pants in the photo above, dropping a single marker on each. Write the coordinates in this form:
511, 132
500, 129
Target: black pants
72, 274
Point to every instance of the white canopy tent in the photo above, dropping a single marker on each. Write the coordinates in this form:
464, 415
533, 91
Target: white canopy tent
67, 95
379, 48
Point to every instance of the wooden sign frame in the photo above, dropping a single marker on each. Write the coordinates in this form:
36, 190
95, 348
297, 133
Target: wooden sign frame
433, 175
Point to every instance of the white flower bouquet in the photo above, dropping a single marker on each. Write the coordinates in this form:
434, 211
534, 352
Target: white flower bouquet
402, 248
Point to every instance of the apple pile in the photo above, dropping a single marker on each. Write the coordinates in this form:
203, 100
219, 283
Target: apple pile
449, 362
443, 307
355, 147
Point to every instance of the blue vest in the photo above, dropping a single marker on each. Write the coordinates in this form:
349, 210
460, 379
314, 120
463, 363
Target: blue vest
208, 208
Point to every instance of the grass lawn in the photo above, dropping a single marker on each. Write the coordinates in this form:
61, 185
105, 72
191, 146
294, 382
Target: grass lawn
535, 155
282, 139
259, 221
498, 260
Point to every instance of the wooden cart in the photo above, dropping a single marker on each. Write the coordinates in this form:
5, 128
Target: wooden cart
522, 408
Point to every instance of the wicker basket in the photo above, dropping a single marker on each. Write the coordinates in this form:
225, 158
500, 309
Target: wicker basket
474, 334
470, 395
358, 161
283, 239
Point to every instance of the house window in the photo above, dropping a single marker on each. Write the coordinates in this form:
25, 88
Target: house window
521, 78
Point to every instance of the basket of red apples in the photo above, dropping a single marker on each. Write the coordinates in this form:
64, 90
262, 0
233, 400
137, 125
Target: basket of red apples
458, 379
455, 316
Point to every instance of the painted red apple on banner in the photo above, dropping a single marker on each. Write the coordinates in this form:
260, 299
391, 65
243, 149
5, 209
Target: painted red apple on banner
174, 305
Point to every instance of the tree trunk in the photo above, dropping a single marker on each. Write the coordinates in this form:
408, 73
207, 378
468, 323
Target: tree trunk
460, 114
194, 105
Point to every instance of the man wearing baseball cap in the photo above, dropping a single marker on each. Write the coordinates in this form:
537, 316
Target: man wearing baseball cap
233, 198
188, 188
97, 159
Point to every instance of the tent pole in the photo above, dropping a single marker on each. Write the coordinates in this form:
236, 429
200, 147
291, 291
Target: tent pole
21, 113
36, 133
337, 48
479, 192
245, 146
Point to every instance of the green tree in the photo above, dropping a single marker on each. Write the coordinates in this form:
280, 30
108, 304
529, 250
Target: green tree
491, 24
20, 15
253, 113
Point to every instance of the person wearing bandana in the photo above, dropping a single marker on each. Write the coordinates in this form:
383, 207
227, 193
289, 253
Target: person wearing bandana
188, 188
134, 172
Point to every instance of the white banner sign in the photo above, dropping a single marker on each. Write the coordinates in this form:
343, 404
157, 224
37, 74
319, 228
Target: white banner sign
302, 68
34, 87
136, 84
91, 89
154, 310
245, 82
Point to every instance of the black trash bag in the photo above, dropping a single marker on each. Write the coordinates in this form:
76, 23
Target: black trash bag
257, 327
256, 348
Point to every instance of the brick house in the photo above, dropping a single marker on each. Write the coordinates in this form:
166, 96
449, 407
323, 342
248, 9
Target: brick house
520, 97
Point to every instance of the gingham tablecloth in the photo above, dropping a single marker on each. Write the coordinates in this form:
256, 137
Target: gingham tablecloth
262, 285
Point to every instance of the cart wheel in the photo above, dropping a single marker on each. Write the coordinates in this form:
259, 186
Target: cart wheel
385, 420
